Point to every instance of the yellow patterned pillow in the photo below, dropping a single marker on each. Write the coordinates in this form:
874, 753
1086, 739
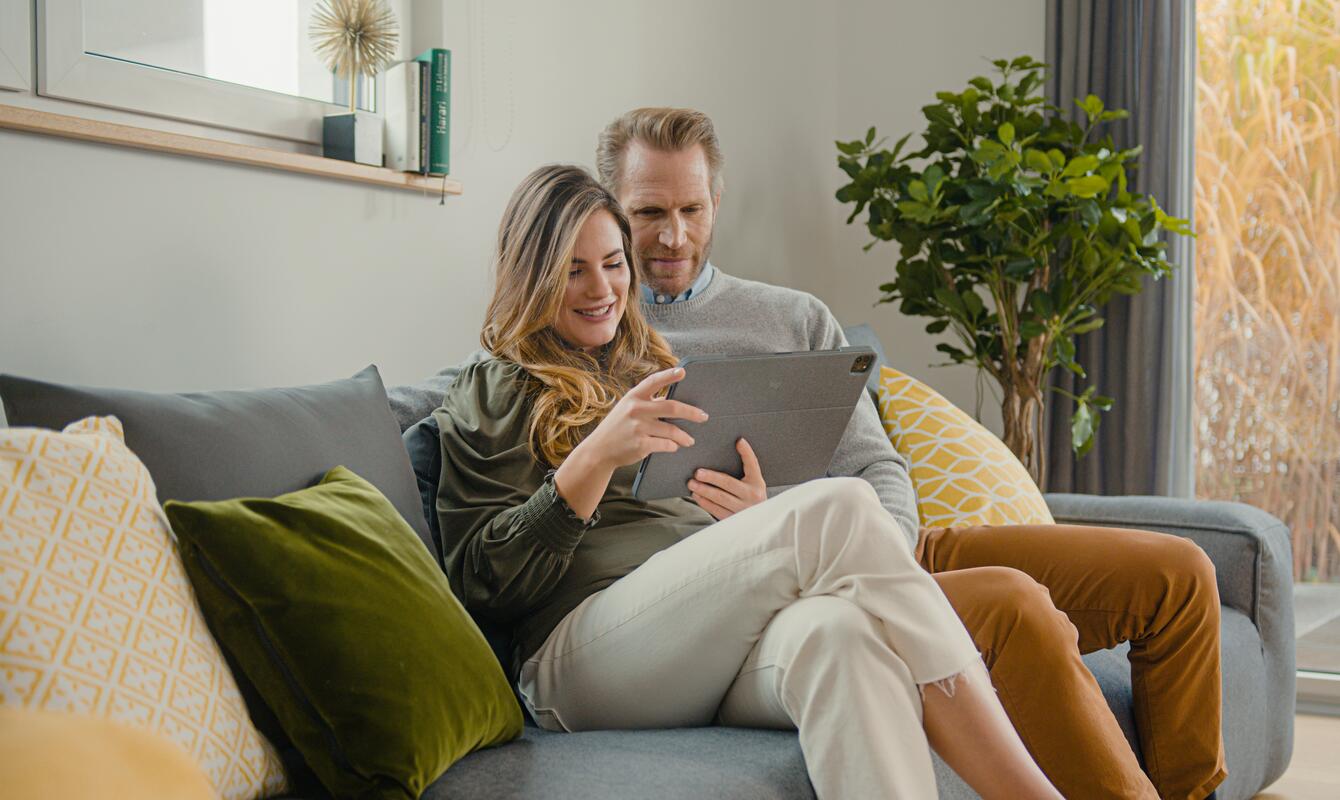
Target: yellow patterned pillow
96, 614
962, 473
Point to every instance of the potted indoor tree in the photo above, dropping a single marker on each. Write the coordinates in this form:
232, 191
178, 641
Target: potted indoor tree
1015, 228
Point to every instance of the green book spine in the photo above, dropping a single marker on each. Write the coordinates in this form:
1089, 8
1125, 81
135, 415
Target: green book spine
439, 122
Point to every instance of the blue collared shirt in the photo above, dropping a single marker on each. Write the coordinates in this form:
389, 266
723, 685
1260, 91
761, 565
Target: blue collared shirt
704, 278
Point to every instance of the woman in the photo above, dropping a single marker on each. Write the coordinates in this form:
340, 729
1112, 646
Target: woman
806, 610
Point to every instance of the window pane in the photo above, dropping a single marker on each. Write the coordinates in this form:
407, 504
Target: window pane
1268, 283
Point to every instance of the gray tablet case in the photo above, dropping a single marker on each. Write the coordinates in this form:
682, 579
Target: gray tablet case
792, 408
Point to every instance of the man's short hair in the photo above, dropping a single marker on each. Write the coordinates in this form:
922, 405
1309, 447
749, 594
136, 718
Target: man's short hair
669, 129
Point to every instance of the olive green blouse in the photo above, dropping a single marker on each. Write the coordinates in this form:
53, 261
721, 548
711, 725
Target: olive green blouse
513, 551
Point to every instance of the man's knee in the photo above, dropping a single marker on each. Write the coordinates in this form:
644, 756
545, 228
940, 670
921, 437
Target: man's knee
1004, 607
1183, 564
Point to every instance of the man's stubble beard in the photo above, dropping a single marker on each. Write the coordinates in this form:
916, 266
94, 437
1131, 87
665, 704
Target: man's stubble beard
645, 259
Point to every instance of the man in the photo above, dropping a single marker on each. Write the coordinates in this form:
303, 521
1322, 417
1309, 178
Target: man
1027, 594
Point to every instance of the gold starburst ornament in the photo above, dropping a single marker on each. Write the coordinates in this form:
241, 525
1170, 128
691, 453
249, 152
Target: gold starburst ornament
354, 37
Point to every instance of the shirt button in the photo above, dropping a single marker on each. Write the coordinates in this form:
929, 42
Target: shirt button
660, 298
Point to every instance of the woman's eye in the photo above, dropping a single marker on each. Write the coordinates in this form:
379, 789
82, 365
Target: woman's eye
615, 265
572, 273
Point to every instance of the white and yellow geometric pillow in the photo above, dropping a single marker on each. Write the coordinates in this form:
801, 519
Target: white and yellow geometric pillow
963, 474
96, 614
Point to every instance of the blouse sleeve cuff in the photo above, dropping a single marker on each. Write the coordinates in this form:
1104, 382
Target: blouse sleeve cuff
551, 520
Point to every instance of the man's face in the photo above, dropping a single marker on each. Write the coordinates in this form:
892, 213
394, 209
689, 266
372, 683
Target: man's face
669, 201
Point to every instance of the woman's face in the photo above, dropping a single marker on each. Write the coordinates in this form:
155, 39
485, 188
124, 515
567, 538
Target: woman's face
597, 289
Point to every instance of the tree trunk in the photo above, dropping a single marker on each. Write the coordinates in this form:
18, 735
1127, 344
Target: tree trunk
1021, 409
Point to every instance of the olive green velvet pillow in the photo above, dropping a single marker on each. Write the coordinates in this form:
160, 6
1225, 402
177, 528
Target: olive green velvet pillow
335, 610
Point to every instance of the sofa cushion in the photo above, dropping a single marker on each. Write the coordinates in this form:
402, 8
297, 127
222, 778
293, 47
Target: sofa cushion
46, 754
720, 763
963, 475
97, 617
349, 630
253, 443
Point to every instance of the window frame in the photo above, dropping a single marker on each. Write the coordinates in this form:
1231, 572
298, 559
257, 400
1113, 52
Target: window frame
66, 71
16, 54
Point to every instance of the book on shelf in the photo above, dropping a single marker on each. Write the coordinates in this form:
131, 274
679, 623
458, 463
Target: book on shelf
425, 112
403, 113
439, 110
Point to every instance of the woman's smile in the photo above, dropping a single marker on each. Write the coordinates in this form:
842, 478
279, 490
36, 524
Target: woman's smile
596, 313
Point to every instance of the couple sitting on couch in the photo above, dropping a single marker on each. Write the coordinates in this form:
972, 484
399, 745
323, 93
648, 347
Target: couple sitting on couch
824, 608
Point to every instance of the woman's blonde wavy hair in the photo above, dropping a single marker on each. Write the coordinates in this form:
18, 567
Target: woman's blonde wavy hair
571, 390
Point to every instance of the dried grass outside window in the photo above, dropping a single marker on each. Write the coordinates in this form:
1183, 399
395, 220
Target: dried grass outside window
1268, 266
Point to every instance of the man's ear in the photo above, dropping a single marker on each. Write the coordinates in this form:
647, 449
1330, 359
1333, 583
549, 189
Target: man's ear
716, 204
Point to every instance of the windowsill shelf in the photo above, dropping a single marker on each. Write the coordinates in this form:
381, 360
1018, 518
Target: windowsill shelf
33, 121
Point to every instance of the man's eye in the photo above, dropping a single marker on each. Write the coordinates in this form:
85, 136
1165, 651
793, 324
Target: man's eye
648, 212
693, 209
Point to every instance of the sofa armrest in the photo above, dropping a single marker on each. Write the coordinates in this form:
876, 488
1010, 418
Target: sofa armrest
1250, 549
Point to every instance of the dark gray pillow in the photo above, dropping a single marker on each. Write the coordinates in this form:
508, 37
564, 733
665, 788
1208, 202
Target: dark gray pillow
423, 443
257, 443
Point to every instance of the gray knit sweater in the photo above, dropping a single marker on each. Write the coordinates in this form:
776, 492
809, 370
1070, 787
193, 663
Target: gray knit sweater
737, 316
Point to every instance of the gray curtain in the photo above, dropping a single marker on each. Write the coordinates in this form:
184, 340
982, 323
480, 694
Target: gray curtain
1138, 55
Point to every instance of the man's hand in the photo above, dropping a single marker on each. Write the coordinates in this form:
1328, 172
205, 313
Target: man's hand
721, 495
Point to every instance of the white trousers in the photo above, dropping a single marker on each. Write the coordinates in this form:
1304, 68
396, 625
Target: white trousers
805, 611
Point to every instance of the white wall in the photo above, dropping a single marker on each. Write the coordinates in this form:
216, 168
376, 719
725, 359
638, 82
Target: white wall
127, 268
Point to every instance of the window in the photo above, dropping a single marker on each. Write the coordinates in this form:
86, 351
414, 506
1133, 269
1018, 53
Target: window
1268, 284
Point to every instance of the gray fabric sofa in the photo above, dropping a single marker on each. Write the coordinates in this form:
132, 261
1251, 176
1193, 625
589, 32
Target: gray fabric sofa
1250, 550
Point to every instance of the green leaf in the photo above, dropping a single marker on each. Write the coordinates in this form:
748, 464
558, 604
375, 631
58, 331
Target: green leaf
934, 175
1005, 133
938, 114
950, 299
972, 302
1041, 303
1084, 327
983, 84
1090, 213
1031, 329
937, 326
1065, 350
1037, 161
1079, 166
1092, 106
870, 136
918, 191
851, 148
953, 352
1087, 186
974, 213
1083, 424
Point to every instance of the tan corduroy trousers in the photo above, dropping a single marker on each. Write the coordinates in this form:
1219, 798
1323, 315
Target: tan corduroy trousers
1034, 598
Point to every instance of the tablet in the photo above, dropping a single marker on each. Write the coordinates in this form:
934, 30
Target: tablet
792, 408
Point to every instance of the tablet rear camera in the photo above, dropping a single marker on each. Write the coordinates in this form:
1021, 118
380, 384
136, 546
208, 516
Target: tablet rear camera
862, 364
